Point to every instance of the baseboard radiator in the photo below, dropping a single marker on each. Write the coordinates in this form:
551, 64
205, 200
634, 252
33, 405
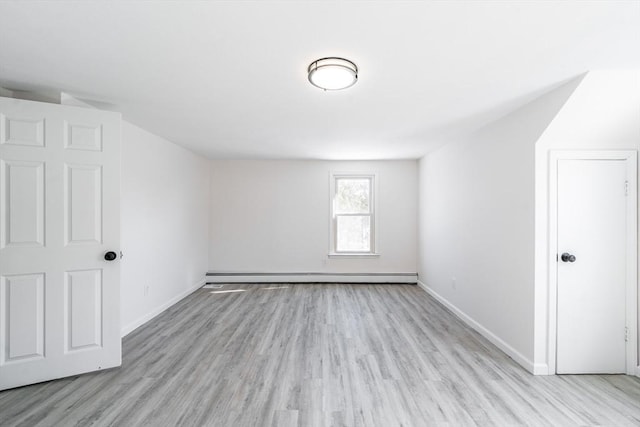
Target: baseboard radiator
398, 278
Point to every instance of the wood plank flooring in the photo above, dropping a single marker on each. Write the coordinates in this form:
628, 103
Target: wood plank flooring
318, 355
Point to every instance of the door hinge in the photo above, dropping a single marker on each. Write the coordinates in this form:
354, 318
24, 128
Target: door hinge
626, 188
626, 334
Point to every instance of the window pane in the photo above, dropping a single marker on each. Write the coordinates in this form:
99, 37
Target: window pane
353, 233
352, 195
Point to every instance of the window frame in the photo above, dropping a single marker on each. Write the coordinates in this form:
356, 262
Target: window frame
373, 215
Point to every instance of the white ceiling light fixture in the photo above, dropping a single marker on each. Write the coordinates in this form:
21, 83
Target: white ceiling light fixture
333, 73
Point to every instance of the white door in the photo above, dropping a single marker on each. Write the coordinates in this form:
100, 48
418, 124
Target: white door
593, 223
59, 215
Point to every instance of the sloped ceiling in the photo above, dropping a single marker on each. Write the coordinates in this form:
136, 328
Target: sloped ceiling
228, 79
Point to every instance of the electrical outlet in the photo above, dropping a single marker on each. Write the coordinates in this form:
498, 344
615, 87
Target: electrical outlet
146, 289
453, 283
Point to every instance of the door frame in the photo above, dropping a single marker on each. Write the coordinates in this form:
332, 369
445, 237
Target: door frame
630, 157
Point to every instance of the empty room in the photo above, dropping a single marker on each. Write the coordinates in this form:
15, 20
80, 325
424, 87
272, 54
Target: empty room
319, 213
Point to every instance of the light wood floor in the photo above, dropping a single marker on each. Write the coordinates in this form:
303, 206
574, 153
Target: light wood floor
318, 355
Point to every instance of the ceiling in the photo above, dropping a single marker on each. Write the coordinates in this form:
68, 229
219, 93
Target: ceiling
228, 79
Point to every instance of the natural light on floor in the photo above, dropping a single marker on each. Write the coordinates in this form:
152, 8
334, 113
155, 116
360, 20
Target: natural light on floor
228, 291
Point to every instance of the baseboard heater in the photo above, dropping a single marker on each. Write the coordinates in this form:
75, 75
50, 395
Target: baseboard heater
222, 277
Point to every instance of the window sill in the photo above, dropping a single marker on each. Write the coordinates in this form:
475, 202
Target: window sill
353, 255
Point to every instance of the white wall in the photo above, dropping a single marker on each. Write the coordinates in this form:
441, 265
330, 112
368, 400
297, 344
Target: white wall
476, 223
165, 206
273, 217
602, 114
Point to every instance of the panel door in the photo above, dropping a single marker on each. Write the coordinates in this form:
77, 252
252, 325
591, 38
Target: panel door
59, 215
592, 236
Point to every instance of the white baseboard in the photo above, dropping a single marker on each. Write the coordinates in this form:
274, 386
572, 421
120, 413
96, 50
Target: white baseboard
214, 277
153, 313
536, 369
541, 369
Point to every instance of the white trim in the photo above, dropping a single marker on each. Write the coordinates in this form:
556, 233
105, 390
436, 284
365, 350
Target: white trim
353, 255
630, 156
536, 369
312, 278
372, 176
153, 313
540, 369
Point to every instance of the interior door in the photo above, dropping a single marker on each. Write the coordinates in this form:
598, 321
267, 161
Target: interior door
59, 216
592, 219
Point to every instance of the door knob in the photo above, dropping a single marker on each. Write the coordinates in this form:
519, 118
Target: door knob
110, 256
565, 257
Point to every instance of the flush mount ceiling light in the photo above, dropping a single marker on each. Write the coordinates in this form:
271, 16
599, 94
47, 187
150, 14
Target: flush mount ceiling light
333, 73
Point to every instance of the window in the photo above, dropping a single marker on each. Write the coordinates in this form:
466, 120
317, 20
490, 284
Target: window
353, 214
